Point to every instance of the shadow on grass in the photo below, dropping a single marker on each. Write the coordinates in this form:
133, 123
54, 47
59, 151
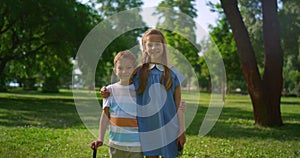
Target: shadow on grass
238, 123
63, 92
61, 113
291, 103
53, 113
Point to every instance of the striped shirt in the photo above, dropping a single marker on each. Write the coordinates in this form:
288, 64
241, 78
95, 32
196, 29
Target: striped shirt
123, 123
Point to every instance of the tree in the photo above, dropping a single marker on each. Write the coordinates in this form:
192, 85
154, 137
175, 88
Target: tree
128, 40
31, 30
178, 15
290, 33
265, 91
222, 35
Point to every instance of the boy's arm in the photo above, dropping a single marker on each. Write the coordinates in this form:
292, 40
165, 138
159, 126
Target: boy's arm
104, 121
180, 113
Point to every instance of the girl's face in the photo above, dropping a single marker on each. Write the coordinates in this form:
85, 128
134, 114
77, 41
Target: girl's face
123, 69
154, 47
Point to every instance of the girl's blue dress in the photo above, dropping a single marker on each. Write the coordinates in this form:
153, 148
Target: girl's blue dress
156, 114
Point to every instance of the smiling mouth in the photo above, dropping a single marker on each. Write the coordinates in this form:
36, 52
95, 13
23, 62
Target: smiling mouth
154, 52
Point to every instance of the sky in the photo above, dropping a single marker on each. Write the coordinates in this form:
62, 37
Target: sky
205, 17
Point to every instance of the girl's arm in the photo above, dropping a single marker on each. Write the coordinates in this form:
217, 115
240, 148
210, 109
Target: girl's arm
104, 93
104, 121
180, 113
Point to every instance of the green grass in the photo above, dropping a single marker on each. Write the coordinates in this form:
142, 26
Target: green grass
35, 124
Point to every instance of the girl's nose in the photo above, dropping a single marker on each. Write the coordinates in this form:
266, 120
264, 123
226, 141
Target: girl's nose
152, 47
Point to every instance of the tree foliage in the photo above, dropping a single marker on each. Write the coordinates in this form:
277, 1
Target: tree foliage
288, 14
179, 15
290, 33
126, 41
222, 35
38, 38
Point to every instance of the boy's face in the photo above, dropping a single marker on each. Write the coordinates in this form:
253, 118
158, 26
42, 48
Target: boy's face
124, 68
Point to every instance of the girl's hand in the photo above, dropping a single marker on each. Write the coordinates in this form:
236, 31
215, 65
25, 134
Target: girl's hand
104, 93
95, 144
182, 106
181, 140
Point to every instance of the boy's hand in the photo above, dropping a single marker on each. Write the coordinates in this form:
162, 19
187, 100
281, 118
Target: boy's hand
104, 93
95, 144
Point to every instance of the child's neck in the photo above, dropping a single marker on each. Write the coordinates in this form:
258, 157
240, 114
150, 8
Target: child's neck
124, 82
156, 61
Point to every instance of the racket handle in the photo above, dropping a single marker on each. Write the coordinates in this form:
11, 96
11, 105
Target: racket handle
95, 153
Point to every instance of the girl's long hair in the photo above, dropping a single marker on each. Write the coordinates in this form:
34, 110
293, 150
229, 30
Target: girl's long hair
166, 78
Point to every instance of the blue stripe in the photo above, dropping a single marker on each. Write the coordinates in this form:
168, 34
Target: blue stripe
130, 105
125, 107
124, 137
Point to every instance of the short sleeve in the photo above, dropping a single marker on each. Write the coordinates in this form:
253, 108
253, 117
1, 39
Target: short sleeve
107, 101
179, 75
175, 80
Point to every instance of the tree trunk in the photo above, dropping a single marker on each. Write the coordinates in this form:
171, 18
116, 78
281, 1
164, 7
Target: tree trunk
228, 88
3, 87
29, 84
223, 85
2, 66
261, 93
273, 60
51, 84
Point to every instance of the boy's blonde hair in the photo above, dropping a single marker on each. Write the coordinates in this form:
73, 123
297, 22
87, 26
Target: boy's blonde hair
126, 54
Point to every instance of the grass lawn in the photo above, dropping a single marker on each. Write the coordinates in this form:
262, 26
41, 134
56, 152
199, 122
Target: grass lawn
35, 124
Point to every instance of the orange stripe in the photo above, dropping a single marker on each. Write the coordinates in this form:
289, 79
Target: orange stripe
124, 122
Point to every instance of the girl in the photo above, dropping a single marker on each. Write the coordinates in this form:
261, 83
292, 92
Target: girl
161, 130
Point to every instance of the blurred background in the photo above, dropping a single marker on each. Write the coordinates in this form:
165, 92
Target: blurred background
39, 41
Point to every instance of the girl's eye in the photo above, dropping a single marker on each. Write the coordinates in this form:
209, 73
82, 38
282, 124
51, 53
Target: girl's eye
157, 44
154, 44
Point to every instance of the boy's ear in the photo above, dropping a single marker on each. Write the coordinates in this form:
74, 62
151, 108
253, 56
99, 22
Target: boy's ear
114, 69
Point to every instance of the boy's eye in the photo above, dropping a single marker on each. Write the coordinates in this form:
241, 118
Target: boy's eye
149, 44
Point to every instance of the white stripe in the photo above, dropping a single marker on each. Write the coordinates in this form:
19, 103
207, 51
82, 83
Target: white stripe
126, 143
126, 99
119, 129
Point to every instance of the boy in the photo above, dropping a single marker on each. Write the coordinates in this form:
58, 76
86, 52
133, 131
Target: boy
120, 110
